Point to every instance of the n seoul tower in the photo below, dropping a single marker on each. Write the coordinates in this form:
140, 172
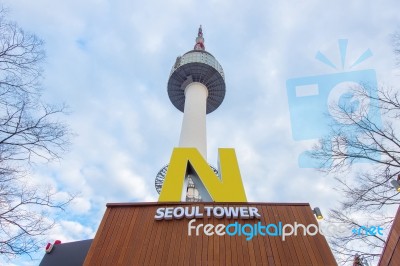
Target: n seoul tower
196, 87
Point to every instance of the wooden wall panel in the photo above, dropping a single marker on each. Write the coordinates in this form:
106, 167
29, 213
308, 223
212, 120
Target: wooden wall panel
129, 235
97, 239
391, 252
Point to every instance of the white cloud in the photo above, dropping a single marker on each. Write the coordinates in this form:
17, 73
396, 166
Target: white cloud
68, 231
80, 205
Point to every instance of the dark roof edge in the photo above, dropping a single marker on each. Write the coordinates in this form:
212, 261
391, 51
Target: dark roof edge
129, 204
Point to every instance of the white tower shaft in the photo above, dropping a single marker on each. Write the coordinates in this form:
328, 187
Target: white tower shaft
193, 132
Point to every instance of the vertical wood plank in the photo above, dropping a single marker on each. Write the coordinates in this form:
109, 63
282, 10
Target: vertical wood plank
97, 238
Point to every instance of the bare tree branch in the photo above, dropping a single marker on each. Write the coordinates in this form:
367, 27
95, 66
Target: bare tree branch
362, 137
30, 132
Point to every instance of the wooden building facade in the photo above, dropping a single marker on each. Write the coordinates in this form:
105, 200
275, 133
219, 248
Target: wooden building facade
129, 234
391, 252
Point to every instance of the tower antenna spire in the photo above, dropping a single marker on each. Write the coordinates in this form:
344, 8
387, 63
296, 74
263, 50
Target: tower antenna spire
199, 40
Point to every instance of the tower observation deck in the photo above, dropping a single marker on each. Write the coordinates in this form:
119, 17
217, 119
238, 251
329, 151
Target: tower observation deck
196, 87
197, 66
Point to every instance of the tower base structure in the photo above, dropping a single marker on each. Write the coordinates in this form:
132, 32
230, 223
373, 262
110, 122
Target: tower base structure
207, 233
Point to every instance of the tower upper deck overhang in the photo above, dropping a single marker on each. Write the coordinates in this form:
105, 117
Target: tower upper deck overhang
197, 66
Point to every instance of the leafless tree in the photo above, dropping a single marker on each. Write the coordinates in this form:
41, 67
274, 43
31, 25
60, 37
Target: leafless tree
30, 132
363, 135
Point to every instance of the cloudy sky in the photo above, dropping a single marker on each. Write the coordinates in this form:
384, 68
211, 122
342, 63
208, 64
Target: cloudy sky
110, 62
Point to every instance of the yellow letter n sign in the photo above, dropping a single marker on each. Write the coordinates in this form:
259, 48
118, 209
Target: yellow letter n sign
188, 162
